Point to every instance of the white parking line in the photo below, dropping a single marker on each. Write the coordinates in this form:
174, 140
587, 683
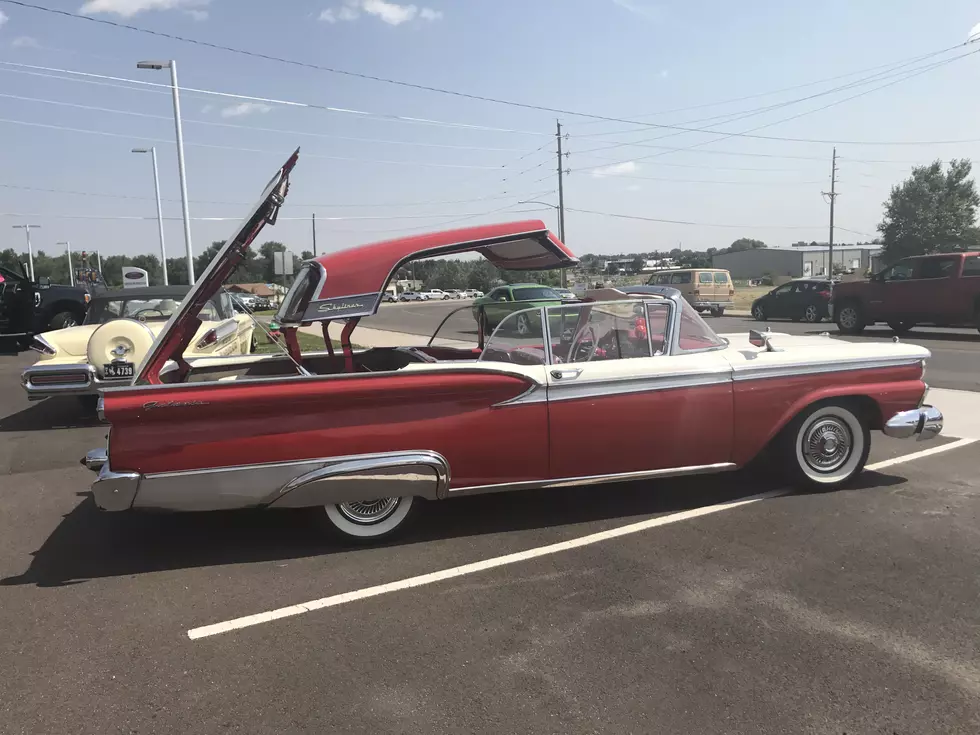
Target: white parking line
500, 561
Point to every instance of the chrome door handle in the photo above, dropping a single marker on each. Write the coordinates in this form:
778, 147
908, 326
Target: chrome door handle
570, 373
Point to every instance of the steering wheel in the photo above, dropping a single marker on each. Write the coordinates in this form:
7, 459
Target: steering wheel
141, 312
584, 345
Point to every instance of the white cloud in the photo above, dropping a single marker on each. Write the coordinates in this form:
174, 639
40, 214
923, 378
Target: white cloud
3, 18
974, 33
642, 8
129, 8
388, 12
198, 15
245, 108
25, 42
206, 109
616, 169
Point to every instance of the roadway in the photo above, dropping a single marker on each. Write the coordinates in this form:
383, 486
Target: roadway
955, 359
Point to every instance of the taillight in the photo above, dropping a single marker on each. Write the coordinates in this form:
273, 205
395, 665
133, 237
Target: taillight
209, 338
825, 295
697, 294
731, 291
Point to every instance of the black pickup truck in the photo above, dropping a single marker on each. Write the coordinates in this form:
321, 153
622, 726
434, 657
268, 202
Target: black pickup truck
28, 307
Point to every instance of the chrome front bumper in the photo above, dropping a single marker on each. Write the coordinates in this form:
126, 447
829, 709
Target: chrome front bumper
925, 422
44, 381
112, 491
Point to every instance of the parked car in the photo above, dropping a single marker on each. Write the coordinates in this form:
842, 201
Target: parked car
436, 294
30, 307
566, 294
454, 293
413, 296
640, 387
116, 334
805, 299
388, 297
472, 293
943, 290
706, 289
502, 301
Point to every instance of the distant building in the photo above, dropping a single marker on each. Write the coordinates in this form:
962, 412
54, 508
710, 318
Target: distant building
794, 262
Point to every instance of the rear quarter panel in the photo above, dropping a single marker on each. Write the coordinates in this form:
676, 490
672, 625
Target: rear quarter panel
224, 424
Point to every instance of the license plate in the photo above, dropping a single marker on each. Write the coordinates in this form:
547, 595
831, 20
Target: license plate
118, 370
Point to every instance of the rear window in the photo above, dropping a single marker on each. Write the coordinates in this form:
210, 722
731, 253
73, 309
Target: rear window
704, 278
535, 294
721, 278
971, 266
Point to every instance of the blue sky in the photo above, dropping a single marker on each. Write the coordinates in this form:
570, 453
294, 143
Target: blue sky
618, 58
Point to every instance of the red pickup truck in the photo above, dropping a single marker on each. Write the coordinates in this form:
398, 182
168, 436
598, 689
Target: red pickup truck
943, 290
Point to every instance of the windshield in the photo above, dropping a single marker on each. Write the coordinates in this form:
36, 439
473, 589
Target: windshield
144, 310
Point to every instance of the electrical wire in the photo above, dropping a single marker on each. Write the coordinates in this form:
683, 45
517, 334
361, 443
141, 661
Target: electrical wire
36, 215
359, 75
684, 222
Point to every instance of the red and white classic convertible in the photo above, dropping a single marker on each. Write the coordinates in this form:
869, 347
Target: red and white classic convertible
627, 384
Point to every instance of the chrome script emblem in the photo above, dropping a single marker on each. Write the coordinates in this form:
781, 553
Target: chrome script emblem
173, 404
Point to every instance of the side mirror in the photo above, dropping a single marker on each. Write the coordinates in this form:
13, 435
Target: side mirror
44, 282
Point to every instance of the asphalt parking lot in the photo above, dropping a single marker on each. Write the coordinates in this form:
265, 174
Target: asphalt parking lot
671, 607
955, 362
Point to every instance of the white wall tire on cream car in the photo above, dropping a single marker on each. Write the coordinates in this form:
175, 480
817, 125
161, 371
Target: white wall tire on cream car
125, 340
370, 521
826, 446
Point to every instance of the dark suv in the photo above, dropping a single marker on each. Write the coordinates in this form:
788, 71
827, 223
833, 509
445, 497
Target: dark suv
28, 307
943, 290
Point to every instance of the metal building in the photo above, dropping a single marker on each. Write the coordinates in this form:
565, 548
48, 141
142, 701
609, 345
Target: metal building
792, 262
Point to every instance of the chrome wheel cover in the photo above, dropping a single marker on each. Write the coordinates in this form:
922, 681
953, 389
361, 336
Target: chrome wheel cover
827, 444
522, 325
848, 317
366, 512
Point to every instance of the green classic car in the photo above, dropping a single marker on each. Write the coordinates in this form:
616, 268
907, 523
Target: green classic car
491, 309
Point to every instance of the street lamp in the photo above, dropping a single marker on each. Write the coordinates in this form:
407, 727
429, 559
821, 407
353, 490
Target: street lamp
71, 273
172, 65
156, 186
30, 250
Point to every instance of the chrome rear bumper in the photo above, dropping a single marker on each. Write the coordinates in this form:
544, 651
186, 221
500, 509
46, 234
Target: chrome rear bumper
44, 381
924, 423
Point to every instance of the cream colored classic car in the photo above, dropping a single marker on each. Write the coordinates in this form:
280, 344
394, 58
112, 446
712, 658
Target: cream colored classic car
116, 335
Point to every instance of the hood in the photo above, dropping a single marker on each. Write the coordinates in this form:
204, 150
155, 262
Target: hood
180, 329
848, 287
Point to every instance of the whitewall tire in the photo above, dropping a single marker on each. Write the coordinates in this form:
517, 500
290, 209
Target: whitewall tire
826, 446
372, 520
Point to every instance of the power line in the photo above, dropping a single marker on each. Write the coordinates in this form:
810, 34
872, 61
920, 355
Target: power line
684, 222
144, 85
238, 219
370, 77
251, 150
596, 173
769, 93
214, 123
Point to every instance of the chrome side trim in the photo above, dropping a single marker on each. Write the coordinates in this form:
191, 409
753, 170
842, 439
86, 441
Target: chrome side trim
562, 391
253, 485
115, 491
595, 479
537, 393
925, 423
424, 474
786, 371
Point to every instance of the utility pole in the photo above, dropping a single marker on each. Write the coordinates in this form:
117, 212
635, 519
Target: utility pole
314, 234
833, 198
71, 273
561, 197
30, 250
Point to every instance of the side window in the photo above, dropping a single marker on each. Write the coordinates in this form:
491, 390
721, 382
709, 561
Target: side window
937, 267
898, 272
663, 279
971, 266
658, 319
499, 294
614, 330
676, 278
782, 290
721, 278
704, 278
518, 339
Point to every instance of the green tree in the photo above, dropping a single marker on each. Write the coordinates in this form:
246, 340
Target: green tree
931, 211
745, 243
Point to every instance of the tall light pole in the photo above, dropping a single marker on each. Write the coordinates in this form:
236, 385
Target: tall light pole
30, 250
156, 187
71, 273
172, 65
